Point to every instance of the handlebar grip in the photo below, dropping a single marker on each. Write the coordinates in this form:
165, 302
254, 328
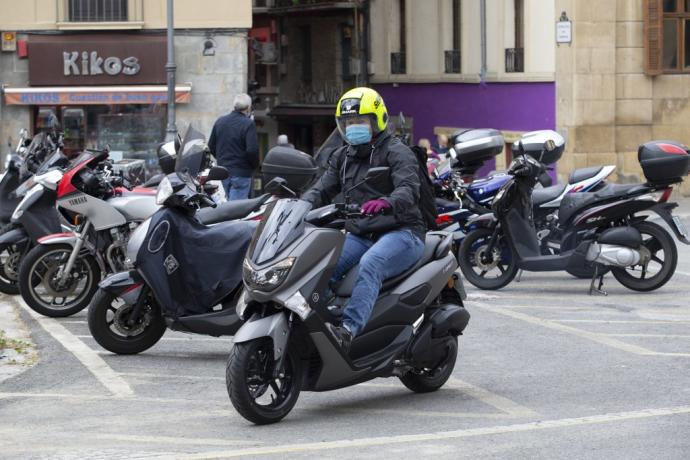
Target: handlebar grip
209, 202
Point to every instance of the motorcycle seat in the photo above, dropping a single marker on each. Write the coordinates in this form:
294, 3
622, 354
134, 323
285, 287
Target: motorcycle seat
583, 174
345, 286
231, 210
572, 203
546, 194
446, 204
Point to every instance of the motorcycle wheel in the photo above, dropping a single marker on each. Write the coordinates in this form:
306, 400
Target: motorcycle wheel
107, 318
428, 380
664, 257
10, 258
38, 281
254, 393
475, 271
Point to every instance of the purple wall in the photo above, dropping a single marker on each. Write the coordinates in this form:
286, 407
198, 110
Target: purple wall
505, 106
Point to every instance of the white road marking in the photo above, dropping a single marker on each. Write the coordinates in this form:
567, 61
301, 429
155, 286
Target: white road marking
169, 376
177, 339
492, 399
614, 321
443, 435
72, 321
681, 273
88, 357
593, 336
669, 336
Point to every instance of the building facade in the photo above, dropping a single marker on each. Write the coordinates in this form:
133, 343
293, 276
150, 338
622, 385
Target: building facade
99, 66
624, 80
431, 61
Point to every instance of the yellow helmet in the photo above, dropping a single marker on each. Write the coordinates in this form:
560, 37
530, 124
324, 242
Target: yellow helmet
359, 105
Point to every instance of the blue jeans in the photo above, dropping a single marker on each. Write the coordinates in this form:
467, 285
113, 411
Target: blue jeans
237, 187
389, 256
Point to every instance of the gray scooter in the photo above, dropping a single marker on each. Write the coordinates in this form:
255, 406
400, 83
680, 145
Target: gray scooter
284, 346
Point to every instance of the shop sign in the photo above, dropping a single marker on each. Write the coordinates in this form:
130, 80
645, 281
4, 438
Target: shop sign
31, 97
83, 60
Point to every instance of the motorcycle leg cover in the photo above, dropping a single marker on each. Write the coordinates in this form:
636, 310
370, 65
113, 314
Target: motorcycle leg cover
191, 267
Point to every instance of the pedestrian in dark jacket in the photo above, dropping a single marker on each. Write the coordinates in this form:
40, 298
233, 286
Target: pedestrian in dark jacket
390, 238
234, 143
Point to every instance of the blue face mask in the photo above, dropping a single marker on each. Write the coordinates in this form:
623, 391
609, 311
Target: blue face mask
358, 134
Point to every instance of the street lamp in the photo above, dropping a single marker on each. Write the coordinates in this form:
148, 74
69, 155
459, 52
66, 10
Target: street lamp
171, 129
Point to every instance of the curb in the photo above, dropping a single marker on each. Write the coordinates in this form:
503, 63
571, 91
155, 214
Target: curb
20, 354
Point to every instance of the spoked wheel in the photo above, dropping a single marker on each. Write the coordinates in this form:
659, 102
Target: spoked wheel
46, 291
428, 380
112, 325
256, 394
10, 256
483, 268
659, 259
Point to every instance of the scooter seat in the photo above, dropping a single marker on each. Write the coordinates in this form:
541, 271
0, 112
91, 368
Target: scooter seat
446, 204
546, 194
572, 203
344, 288
583, 174
231, 210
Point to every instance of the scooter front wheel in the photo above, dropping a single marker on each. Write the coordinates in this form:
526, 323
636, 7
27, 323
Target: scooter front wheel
483, 269
109, 323
253, 390
660, 267
43, 288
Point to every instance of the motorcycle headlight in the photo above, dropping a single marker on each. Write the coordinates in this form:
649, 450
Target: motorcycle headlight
165, 191
267, 278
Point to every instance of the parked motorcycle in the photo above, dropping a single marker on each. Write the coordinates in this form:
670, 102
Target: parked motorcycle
284, 346
35, 215
12, 177
607, 227
184, 273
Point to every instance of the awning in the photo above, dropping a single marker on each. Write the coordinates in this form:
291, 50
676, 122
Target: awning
95, 95
303, 111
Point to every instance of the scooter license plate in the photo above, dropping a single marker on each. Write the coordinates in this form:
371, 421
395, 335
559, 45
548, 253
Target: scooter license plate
680, 226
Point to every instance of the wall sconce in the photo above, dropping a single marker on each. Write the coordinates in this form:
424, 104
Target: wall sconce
209, 47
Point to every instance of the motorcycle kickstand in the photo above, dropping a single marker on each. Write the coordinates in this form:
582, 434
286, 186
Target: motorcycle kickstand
597, 290
519, 276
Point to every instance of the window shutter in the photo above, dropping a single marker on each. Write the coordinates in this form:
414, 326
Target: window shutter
653, 36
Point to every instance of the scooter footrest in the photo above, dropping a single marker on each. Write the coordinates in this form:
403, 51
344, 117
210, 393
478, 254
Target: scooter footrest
383, 357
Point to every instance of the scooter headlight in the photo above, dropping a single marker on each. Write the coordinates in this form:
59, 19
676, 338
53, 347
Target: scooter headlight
269, 278
165, 191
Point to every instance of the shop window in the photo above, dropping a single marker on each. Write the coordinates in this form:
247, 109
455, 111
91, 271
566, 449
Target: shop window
452, 56
515, 57
667, 36
97, 10
398, 58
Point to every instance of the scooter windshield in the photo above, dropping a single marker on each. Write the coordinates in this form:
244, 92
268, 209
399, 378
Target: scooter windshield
192, 152
283, 223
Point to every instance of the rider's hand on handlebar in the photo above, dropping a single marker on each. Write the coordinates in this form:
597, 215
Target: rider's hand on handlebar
377, 206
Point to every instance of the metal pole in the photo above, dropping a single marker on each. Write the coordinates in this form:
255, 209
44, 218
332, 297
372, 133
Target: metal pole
170, 67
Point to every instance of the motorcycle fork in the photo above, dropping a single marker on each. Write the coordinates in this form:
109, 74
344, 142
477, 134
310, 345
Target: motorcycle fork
492, 241
136, 311
278, 368
78, 245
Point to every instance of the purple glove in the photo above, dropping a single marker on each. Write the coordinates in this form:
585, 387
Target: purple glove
372, 207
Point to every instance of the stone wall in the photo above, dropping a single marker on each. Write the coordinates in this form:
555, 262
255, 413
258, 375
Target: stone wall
216, 80
606, 105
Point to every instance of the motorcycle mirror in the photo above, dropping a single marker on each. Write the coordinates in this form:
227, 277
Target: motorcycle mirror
377, 173
278, 186
217, 173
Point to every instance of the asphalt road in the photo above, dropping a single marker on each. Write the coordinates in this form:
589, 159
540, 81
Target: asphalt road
544, 371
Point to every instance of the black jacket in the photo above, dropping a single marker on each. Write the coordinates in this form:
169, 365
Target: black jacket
234, 144
348, 166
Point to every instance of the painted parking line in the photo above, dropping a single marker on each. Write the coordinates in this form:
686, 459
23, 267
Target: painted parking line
665, 336
592, 336
88, 357
618, 417
176, 339
167, 439
614, 321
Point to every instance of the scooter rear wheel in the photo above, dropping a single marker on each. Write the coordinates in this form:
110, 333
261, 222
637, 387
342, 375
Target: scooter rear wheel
498, 270
10, 257
428, 380
256, 395
107, 317
664, 257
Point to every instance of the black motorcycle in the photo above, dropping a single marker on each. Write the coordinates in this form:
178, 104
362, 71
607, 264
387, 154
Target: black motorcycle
606, 226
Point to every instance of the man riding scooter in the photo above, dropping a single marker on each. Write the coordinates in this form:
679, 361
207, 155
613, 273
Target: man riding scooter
390, 238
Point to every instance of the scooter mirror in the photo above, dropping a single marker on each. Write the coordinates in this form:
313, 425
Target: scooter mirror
377, 173
278, 186
218, 173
